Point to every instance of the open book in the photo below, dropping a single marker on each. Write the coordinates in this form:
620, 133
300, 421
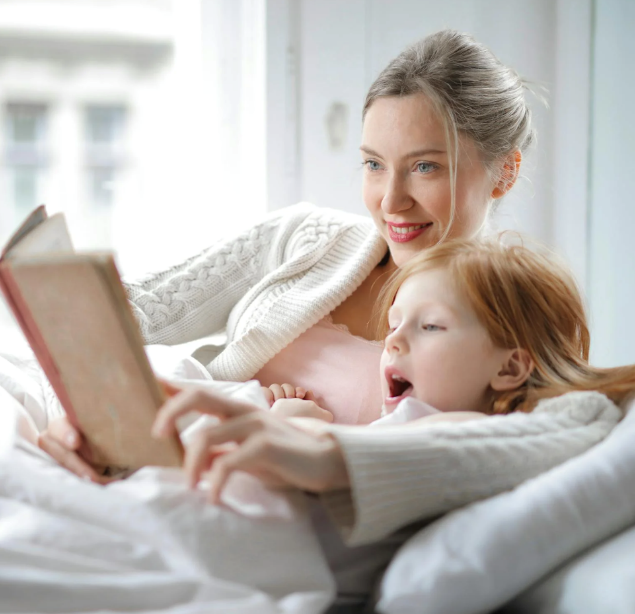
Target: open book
75, 315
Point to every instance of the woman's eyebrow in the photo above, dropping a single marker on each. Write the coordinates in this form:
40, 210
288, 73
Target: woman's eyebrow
413, 154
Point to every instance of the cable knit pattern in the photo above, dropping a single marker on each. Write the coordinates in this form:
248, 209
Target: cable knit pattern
266, 286
403, 473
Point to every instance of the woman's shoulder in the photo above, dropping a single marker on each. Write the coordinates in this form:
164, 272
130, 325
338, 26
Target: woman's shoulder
325, 215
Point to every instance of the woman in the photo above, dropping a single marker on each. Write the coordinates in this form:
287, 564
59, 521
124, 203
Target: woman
445, 125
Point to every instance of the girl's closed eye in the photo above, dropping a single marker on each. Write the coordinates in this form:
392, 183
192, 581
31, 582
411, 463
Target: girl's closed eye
432, 327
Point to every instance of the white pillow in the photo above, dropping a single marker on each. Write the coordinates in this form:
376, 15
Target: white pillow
477, 558
599, 581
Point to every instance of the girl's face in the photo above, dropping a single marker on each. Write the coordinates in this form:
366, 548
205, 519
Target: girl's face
437, 351
406, 185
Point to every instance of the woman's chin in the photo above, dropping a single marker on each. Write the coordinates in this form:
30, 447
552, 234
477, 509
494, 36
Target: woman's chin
403, 252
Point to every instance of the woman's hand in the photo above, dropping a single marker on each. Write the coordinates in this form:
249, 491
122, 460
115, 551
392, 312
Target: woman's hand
265, 445
276, 392
63, 442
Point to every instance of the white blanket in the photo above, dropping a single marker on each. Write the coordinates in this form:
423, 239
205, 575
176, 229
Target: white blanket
146, 544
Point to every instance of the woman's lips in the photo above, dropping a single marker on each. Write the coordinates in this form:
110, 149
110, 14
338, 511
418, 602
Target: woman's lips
402, 233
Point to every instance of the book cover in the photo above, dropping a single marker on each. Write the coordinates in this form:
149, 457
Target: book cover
75, 315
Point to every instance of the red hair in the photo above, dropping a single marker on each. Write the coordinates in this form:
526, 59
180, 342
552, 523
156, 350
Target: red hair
524, 300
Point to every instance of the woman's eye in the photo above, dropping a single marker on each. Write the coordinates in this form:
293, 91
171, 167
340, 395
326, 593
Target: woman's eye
372, 165
425, 167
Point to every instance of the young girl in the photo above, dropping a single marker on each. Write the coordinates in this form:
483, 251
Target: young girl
474, 329
479, 328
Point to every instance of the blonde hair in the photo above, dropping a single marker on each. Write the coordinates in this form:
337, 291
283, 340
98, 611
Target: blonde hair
472, 92
524, 300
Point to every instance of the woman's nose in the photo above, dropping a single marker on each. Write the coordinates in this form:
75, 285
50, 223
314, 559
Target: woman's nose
396, 197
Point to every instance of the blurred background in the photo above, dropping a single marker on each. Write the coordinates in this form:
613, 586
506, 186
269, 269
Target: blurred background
159, 126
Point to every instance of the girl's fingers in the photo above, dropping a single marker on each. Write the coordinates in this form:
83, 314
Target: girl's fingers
202, 400
309, 396
289, 391
277, 391
300, 393
324, 414
268, 395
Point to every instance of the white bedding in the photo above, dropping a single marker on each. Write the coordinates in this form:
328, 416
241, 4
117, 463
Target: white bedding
146, 544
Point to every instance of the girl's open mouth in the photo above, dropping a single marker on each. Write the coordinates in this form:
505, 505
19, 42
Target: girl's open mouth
398, 388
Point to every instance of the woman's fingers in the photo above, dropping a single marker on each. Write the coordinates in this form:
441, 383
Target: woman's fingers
202, 400
64, 433
67, 458
169, 389
236, 430
242, 458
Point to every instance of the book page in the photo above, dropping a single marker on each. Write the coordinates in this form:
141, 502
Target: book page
46, 236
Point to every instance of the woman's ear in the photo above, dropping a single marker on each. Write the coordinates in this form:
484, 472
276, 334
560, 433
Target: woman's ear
508, 177
514, 372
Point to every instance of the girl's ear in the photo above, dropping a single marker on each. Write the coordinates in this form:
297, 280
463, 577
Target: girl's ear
508, 177
514, 371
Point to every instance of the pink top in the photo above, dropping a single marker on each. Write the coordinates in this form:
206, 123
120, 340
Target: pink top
341, 369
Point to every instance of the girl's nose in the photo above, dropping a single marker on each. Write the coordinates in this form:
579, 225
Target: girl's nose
396, 341
396, 197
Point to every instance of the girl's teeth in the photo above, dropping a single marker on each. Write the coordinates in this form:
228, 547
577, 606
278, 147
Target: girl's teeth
406, 229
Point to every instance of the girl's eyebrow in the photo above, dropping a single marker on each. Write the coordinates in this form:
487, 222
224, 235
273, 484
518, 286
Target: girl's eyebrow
413, 154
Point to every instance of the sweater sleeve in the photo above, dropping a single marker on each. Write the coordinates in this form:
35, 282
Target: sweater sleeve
410, 472
194, 299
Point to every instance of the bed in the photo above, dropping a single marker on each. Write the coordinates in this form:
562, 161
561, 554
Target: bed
559, 543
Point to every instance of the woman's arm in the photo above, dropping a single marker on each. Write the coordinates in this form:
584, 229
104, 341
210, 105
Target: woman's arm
376, 480
408, 472
194, 299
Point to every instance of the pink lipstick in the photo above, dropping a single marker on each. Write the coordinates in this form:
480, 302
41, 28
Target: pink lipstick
405, 232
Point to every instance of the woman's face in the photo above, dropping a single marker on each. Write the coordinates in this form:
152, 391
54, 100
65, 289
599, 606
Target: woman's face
406, 185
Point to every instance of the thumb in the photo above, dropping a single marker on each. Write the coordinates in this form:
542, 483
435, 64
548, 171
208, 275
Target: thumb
326, 415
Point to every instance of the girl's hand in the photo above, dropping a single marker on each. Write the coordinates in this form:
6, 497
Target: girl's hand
265, 445
275, 392
64, 443
299, 408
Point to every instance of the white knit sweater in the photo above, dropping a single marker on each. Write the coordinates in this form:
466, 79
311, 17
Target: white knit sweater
266, 286
275, 281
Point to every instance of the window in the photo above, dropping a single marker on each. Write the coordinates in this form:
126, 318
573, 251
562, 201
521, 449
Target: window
26, 159
104, 127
